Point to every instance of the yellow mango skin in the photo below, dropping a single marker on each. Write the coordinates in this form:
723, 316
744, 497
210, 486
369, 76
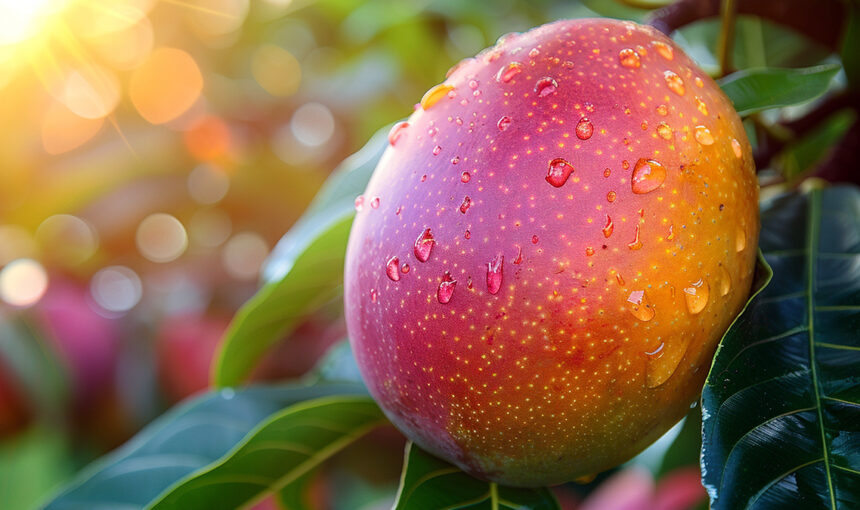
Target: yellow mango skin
565, 316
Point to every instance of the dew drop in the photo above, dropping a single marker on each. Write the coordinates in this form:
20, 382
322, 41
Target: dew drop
701, 105
494, 273
663, 110
455, 160
619, 279
725, 281
432, 131
535, 239
584, 129
437, 150
608, 228
359, 202
546, 86
467, 203
641, 309
432, 96
446, 288
559, 171
534, 52
664, 131
424, 245
504, 122
740, 240
671, 235
674, 82
374, 203
696, 296
373, 295
589, 251
703, 135
610, 197
607, 172
648, 175
392, 269
635, 244
736, 147
507, 73
465, 177
625, 164
664, 50
424, 178
404, 268
519, 258
473, 84
699, 83
397, 132
629, 58
398, 210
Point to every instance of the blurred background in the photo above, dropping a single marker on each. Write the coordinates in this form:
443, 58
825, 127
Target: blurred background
152, 152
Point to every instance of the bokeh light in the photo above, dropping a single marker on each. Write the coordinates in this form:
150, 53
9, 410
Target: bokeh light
208, 138
116, 289
23, 282
92, 92
244, 254
312, 124
166, 85
276, 70
209, 228
208, 184
161, 238
67, 239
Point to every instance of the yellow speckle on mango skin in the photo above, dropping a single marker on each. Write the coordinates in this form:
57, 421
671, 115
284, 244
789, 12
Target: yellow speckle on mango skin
565, 316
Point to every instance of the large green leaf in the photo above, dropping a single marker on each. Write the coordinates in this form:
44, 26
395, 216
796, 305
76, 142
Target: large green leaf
279, 452
304, 272
428, 483
181, 442
781, 406
753, 90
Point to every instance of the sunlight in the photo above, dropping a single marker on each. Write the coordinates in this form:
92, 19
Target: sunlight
21, 20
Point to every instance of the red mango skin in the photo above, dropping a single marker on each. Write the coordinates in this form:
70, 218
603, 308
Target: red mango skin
597, 339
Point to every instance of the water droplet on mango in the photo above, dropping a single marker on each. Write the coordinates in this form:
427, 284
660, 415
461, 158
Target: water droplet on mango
584, 129
507, 73
640, 308
648, 175
703, 135
674, 82
396, 132
559, 171
697, 295
629, 58
432, 96
424, 245
446, 288
495, 268
546, 86
392, 269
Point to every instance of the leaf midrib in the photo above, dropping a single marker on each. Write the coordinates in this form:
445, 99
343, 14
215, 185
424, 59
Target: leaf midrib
812, 241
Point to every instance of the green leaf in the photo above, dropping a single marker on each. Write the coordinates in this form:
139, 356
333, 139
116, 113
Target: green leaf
428, 483
32, 464
753, 90
809, 151
279, 452
304, 272
181, 442
781, 405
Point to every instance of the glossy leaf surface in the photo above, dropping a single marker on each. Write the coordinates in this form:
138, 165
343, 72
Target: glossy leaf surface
304, 272
781, 407
428, 483
181, 442
753, 90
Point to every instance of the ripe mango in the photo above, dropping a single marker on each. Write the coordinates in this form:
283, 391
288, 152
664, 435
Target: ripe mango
549, 251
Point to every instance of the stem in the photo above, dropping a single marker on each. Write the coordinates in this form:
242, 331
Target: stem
494, 496
726, 41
